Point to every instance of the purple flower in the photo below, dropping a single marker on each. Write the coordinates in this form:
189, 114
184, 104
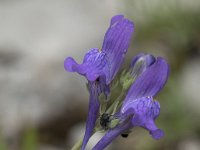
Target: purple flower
139, 108
145, 111
101, 66
105, 63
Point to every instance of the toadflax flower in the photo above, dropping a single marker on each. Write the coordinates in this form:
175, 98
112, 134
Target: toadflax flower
139, 107
100, 66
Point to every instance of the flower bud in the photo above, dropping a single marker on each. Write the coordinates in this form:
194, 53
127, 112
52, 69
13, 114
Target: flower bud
140, 63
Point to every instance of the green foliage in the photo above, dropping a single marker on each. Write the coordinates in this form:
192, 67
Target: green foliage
2, 144
30, 140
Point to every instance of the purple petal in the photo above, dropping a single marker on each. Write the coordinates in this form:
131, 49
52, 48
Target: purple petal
150, 82
111, 135
116, 43
140, 106
157, 134
71, 65
92, 114
94, 65
140, 63
153, 130
116, 19
145, 110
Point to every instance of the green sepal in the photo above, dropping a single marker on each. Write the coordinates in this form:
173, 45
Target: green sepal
114, 123
126, 80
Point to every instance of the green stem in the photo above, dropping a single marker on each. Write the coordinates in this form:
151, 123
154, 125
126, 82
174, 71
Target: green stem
77, 145
115, 104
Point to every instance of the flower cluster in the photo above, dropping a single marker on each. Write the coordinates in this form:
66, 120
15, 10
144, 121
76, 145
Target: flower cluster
135, 105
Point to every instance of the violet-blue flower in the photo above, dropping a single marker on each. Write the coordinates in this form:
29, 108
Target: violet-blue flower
139, 107
105, 62
101, 65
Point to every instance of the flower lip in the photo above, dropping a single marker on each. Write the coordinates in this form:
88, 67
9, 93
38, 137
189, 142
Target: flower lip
157, 134
93, 66
144, 110
71, 65
136, 105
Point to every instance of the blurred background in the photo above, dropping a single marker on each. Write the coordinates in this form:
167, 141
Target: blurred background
43, 107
